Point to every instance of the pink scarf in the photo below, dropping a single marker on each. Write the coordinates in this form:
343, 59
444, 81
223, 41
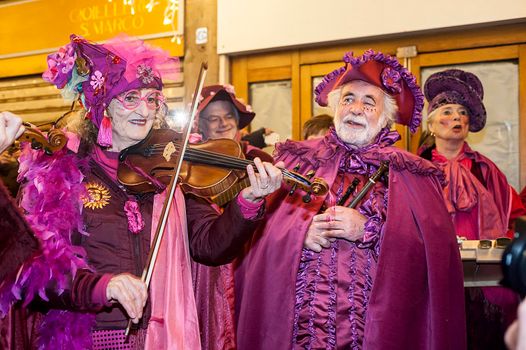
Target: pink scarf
464, 193
173, 323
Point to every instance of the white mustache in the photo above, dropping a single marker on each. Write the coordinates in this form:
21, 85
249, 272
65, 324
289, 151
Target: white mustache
350, 118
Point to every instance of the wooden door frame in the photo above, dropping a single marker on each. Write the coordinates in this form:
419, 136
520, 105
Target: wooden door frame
492, 42
269, 67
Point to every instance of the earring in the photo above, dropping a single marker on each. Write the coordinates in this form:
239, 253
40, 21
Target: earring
105, 133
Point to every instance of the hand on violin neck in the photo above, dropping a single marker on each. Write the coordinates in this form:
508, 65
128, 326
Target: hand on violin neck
265, 181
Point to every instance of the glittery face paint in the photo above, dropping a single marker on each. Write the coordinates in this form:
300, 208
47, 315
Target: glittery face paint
359, 116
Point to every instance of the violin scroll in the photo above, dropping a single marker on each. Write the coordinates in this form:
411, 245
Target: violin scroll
319, 186
55, 140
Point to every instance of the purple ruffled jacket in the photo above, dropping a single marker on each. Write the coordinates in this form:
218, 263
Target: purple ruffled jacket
417, 297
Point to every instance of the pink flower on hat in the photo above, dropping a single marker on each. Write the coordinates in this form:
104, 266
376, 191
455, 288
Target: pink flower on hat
97, 80
145, 74
60, 65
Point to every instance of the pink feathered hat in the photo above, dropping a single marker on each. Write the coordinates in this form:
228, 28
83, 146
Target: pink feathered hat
100, 72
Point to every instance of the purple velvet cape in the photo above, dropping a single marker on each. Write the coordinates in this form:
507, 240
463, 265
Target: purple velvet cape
417, 300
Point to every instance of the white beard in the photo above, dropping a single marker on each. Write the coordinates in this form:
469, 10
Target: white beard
358, 137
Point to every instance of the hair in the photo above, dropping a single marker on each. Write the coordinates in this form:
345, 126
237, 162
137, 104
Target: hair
316, 124
431, 117
390, 106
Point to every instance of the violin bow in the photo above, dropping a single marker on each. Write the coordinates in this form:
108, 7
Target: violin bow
156, 243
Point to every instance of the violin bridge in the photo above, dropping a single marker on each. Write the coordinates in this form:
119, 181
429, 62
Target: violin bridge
169, 149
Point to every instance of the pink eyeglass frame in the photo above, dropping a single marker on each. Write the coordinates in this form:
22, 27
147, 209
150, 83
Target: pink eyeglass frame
120, 98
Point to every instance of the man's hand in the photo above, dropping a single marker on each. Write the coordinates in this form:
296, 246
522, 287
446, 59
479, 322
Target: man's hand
10, 129
335, 222
129, 291
264, 182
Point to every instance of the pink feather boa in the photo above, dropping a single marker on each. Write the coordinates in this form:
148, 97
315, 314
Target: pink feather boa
52, 192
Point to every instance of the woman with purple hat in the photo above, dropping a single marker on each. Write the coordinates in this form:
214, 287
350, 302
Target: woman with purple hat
83, 286
479, 199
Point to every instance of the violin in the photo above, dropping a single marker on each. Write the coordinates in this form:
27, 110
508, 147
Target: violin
54, 141
209, 168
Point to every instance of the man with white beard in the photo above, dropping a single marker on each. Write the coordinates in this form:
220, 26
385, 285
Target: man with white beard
385, 275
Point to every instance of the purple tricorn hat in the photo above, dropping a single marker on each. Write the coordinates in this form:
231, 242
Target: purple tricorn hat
107, 70
384, 72
455, 86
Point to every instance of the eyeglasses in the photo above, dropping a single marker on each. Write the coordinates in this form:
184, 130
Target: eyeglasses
132, 99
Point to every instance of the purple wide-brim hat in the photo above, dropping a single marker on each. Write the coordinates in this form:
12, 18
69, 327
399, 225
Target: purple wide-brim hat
107, 70
213, 93
455, 86
384, 72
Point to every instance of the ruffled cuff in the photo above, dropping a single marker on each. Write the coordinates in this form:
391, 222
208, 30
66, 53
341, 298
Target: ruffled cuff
373, 226
248, 209
371, 236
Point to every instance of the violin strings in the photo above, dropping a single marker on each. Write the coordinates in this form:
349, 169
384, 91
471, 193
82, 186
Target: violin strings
219, 161
214, 157
222, 160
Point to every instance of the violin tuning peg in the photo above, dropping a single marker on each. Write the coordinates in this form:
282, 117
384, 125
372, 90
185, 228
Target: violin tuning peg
293, 189
47, 151
310, 173
307, 198
36, 145
297, 167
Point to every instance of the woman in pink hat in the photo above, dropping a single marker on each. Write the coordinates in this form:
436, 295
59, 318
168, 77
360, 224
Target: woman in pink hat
83, 286
479, 199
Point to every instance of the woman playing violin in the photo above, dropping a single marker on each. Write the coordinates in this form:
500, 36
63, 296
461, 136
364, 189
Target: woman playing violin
96, 234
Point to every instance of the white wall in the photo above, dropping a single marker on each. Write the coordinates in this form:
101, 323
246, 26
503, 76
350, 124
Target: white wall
250, 25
